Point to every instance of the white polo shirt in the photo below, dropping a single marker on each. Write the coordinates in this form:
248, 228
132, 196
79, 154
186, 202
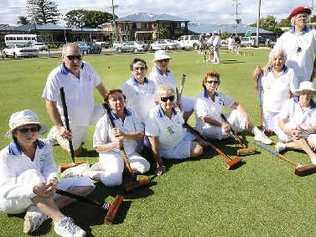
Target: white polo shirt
160, 78
295, 115
169, 131
78, 92
103, 130
276, 89
205, 106
140, 97
301, 62
13, 162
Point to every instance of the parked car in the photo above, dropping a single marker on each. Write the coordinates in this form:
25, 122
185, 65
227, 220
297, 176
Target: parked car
40, 46
159, 45
129, 46
190, 42
17, 51
89, 48
247, 41
103, 44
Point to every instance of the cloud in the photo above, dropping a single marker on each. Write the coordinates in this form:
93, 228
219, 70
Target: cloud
206, 11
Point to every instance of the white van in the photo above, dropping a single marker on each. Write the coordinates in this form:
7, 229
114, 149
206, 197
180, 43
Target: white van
20, 39
189, 41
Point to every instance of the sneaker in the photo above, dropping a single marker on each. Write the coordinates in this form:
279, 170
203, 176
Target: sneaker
67, 228
261, 137
279, 147
79, 170
33, 219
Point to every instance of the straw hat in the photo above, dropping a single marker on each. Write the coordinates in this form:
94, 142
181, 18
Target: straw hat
160, 55
306, 86
22, 118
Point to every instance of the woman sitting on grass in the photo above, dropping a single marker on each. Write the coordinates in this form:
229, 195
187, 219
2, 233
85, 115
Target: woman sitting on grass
28, 178
167, 136
297, 122
276, 87
209, 107
128, 132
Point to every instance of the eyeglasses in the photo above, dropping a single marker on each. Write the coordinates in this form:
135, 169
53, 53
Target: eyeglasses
73, 57
163, 60
139, 68
210, 82
28, 129
165, 99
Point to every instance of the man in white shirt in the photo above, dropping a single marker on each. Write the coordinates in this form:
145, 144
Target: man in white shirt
297, 122
299, 43
78, 80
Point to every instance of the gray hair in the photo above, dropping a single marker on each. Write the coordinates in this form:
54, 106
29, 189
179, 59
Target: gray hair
277, 52
165, 89
75, 46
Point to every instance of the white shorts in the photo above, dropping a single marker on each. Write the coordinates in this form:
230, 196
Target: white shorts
111, 166
187, 103
181, 151
270, 120
235, 119
79, 133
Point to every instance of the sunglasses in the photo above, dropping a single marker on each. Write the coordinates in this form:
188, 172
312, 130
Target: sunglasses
29, 129
163, 60
210, 82
139, 68
165, 99
73, 57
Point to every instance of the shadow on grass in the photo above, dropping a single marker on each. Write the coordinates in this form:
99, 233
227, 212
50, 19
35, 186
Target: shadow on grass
231, 61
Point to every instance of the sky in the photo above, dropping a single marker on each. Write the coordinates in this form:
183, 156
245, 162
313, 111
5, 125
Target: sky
204, 11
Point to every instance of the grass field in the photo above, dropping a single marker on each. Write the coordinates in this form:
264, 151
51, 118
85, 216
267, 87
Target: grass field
194, 198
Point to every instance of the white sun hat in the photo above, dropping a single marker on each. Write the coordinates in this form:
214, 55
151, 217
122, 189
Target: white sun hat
306, 86
22, 118
160, 55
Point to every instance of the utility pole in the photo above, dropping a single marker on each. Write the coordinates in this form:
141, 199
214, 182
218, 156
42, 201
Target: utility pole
237, 18
258, 22
114, 35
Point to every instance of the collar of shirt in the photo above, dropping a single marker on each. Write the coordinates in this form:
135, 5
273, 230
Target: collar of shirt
206, 94
284, 69
136, 83
115, 117
64, 70
15, 149
162, 112
305, 29
161, 72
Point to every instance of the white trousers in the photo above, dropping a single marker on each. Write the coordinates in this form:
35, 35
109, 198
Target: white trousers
111, 166
79, 133
19, 204
270, 120
235, 119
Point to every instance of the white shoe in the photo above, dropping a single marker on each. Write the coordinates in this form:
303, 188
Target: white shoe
67, 228
33, 219
261, 137
79, 170
279, 147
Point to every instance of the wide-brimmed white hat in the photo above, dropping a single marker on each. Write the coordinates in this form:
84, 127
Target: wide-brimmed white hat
306, 86
22, 118
160, 55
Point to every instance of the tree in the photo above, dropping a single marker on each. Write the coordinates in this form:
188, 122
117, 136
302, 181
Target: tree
42, 11
269, 23
284, 23
22, 20
84, 18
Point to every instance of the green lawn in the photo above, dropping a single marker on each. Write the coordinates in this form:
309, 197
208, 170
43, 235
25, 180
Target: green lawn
194, 198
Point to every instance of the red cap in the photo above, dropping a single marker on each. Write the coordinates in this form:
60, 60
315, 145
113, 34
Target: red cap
298, 10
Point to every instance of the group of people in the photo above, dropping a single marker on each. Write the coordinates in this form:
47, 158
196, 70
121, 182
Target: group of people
147, 111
